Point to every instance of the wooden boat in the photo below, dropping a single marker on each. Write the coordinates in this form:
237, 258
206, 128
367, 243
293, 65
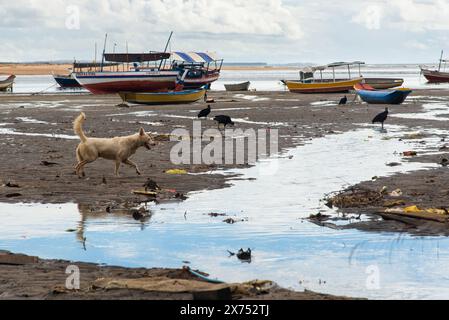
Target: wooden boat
372, 96
7, 83
309, 84
436, 76
149, 80
66, 81
203, 68
384, 83
322, 86
158, 98
244, 86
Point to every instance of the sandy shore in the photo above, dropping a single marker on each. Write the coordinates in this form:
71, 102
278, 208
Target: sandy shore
45, 69
37, 158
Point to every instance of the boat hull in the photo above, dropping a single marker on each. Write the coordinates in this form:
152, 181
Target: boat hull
7, 83
115, 82
322, 87
384, 83
160, 98
66, 82
384, 96
435, 76
238, 87
196, 83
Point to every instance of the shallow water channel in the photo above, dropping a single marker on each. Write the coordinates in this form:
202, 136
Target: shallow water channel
287, 249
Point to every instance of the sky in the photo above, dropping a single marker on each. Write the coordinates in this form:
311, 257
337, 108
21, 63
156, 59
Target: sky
271, 31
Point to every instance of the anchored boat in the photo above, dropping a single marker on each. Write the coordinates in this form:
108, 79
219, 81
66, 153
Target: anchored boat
436, 76
157, 98
244, 86
372, 96
309, 84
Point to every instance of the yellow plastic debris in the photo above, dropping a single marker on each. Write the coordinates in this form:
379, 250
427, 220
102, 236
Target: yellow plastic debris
176, 171
436, 211
412, 209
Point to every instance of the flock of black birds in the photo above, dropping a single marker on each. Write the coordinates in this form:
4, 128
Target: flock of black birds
220, 119
226, 120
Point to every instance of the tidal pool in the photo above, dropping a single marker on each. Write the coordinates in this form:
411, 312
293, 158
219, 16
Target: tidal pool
287, 249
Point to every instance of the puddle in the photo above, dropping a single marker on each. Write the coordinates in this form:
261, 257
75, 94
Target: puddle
324, 103
287, 249
431, 111
10, 131
31, 120
251, 98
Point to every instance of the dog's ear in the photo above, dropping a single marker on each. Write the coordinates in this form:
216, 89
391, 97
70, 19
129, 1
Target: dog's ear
142, 132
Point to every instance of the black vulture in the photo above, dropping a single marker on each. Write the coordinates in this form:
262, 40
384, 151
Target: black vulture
343, 101
381, 117
204, 113
224, 120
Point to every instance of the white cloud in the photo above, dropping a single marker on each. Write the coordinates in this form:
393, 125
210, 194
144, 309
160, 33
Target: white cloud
370, 17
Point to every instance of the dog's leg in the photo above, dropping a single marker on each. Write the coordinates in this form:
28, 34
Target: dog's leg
80, 167
132, 164
117, 167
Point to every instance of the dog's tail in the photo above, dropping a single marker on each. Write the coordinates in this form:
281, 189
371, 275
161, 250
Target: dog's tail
78, 126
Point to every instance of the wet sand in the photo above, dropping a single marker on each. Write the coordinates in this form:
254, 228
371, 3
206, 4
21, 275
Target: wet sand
26, 277
38, 166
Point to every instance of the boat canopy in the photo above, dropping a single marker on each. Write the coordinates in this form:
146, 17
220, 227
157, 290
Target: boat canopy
136, 57
344, 64
194, 57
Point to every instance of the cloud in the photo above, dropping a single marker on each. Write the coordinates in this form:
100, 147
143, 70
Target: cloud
370, 17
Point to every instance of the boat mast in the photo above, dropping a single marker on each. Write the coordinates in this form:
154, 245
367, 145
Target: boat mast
104, 51
441, 59
166, 47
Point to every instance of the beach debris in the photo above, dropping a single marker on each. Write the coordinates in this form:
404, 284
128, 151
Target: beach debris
123, 105
383, 190
71, 230
145, 193
395, 193
232, 221
444, 162
410, 153
394, 164
355, 197
103, 181
48, 164
180, 196
13, 195
215, 214
432, 214
141, 213
9, 184
443, 147
176, 171
319, 217
151, 185
393, 203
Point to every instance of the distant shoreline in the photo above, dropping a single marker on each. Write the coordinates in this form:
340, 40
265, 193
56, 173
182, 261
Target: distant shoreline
21, 69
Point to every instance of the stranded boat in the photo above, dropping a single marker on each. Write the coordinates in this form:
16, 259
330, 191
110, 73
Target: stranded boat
372, 96
157, 98
149, 80
202, 68
8, 83
436, 76
69, 81
309, 84
244, 86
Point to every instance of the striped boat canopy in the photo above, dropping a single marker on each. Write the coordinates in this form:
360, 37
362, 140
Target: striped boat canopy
193, 57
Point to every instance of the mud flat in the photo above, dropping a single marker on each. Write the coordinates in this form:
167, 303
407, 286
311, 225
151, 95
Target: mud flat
38, 148
27, 277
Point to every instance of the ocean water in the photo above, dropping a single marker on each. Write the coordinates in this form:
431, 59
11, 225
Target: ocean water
261, 79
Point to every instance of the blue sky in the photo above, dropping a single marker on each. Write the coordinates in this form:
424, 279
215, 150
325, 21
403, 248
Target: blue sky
273, 31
